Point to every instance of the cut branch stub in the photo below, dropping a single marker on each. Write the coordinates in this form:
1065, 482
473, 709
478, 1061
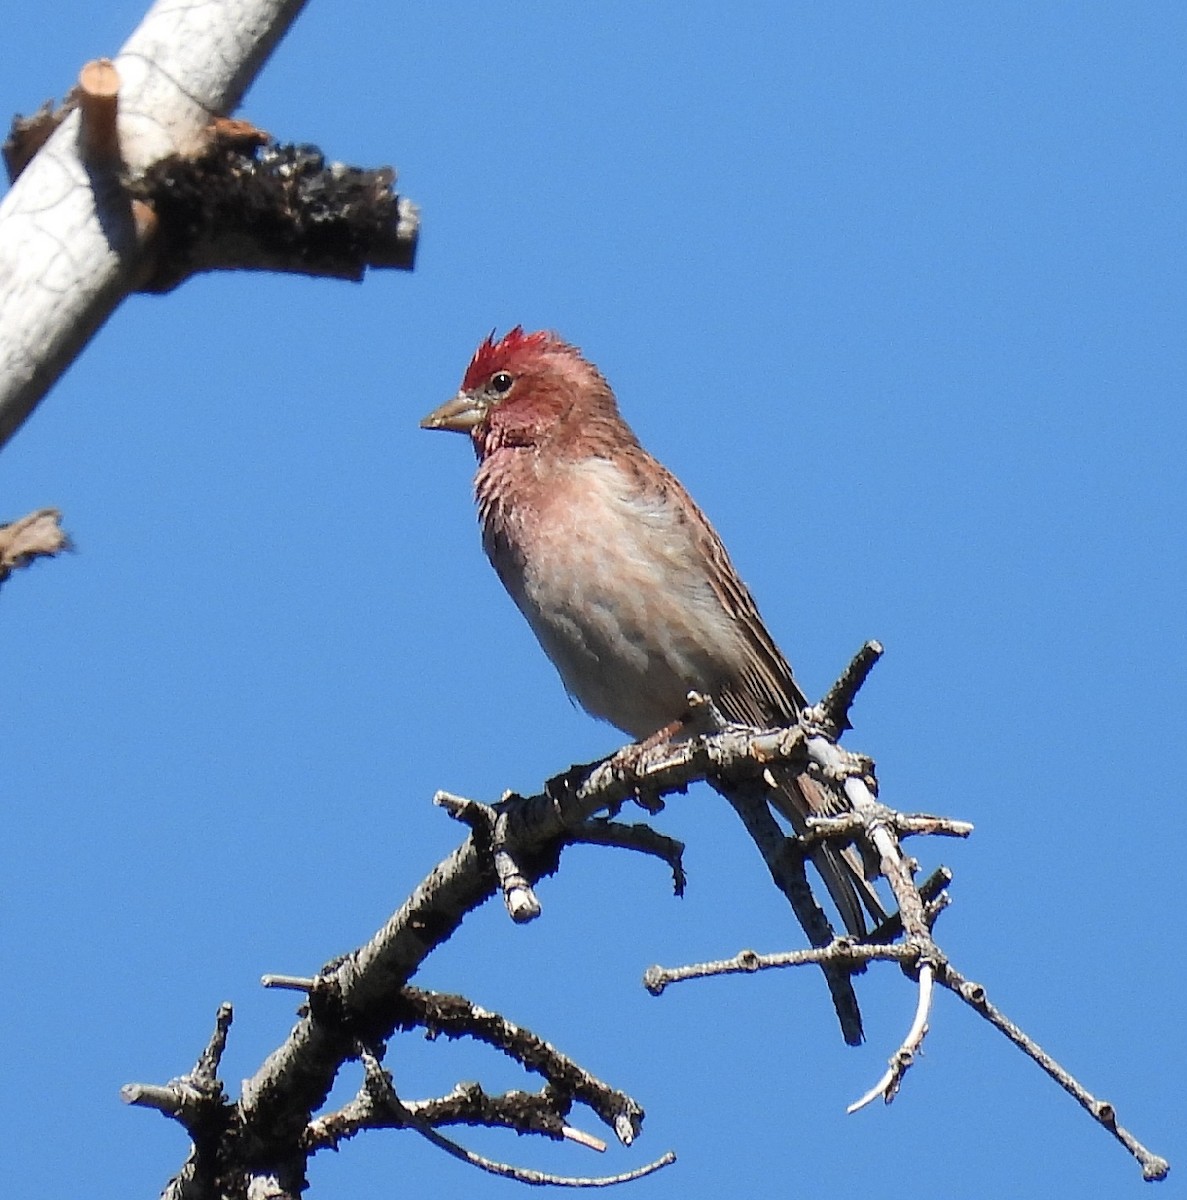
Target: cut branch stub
492, 834
98, 95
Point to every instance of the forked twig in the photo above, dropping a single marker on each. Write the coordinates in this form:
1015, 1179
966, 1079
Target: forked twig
379, 1083
864, 819
881, 827
196, 1099
491, 823
456, 1016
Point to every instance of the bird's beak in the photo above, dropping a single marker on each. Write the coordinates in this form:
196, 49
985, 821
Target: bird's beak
461, 414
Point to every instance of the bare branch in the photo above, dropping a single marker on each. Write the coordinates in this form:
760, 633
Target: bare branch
195, 1100
601, 831
359, 996
1154, 1166
363, 997
882, 828
379, 1084
466, 1104
657, 978
185, 64
845, 828
833, 711
455, 1016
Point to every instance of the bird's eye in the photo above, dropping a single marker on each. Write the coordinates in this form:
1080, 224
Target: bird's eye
500, 383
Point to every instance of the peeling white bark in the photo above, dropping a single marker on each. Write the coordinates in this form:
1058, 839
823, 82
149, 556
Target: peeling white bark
68, 248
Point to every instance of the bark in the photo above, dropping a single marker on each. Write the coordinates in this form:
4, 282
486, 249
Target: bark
70, 246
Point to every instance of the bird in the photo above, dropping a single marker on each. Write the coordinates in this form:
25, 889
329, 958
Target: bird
625, 583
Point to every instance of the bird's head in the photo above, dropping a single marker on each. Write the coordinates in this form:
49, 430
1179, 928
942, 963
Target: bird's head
527, 389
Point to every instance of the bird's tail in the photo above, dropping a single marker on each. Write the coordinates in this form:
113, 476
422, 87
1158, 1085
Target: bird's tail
798, 797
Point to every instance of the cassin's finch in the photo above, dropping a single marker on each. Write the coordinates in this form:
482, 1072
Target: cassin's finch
623, 580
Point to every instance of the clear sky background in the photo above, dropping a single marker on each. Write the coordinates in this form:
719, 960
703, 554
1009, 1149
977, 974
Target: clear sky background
898, 291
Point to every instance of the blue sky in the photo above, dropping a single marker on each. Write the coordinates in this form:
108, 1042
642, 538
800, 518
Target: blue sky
898, 291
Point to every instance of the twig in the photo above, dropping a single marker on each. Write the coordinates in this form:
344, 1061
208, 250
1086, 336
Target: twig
843, 951
292, 983
539, 1178
601, 831
380, 1082
935, 900
833, 710
887, 1087
167, 1099
205, 1073
588, 1140
456, 1016
491, 825
1154, 1166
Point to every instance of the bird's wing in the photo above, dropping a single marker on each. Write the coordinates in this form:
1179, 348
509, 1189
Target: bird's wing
762, 691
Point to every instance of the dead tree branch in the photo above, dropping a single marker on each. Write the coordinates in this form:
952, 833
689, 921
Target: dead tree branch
455, 1017
361, 997
1154, 1166
469, 1104
601, 831
122, 190
355, 1004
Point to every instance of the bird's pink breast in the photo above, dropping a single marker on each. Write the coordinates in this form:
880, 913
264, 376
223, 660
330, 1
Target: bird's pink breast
612, 582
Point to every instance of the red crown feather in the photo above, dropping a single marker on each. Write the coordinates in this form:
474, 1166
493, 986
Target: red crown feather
494, 356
